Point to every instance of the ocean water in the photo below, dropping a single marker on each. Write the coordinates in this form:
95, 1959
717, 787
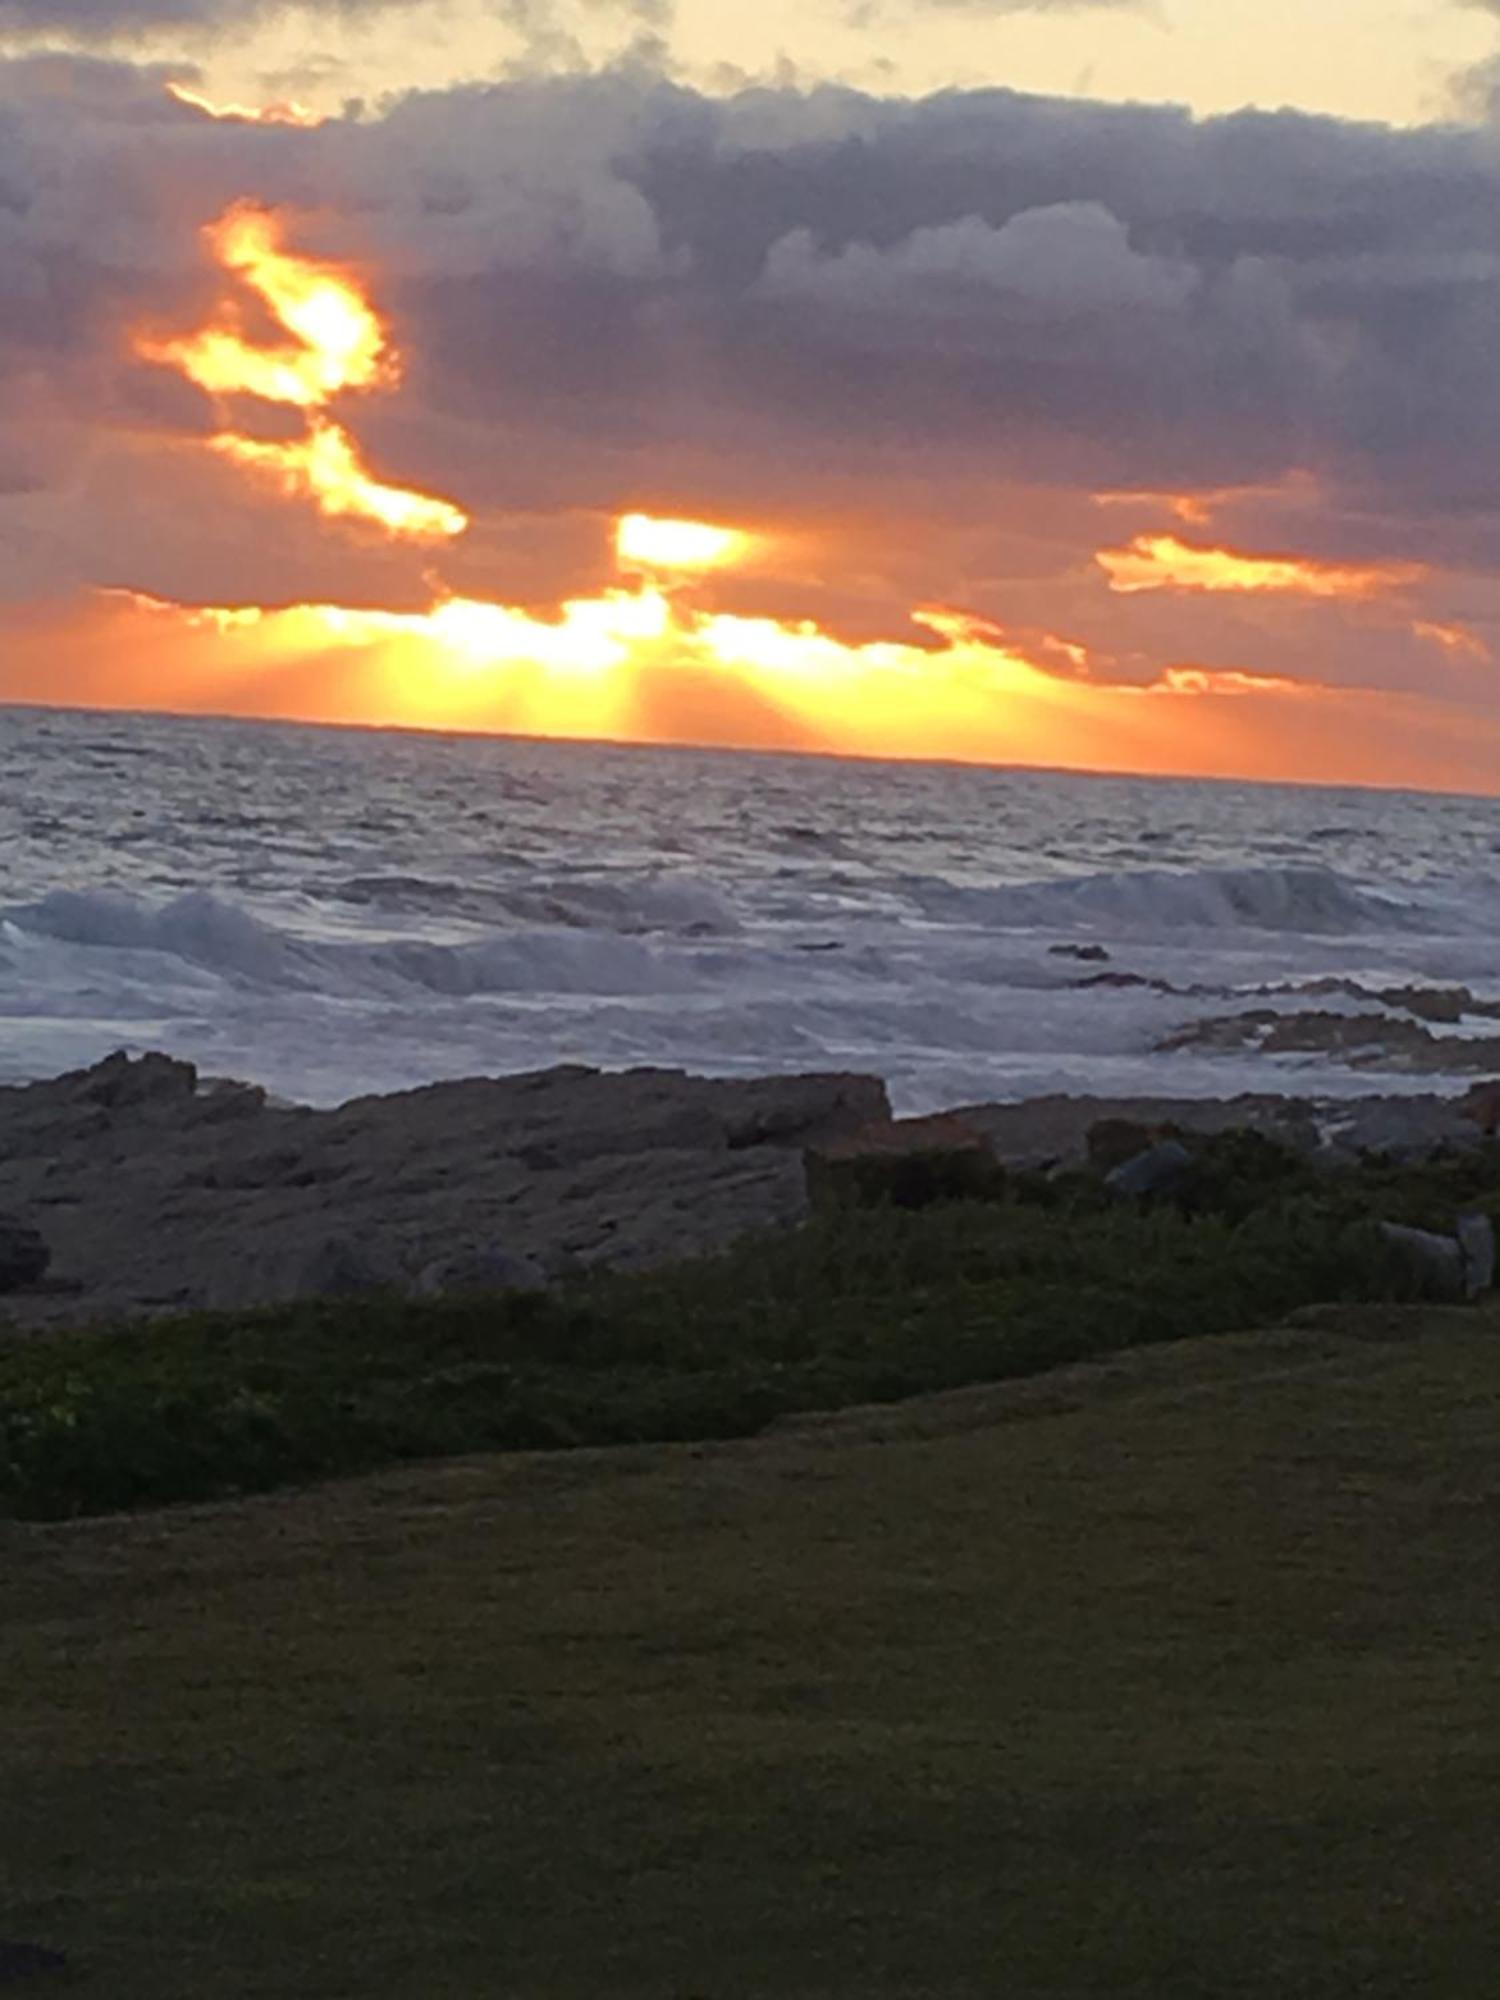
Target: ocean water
331, 912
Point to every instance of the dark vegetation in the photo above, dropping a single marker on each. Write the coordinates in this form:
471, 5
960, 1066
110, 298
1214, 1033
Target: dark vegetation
920, 1282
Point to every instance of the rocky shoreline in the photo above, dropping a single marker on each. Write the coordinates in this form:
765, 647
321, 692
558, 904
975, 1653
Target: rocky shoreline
136, 1187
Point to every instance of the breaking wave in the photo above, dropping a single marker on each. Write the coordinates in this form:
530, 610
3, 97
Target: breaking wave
330, 915
205, 932
1153, 901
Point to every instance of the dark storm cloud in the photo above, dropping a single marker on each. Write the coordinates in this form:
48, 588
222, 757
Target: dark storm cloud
613, 291
1124, 295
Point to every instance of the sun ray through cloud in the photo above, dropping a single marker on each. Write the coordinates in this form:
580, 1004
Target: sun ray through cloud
661, 647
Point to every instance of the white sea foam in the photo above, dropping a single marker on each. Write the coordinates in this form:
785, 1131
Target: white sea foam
332, 912
1160, 902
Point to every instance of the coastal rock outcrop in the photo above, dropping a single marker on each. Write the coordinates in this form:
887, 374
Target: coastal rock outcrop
1363, 1041
146, 1189
159, 1191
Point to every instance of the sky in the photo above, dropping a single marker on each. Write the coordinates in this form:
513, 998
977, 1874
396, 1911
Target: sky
1105, 385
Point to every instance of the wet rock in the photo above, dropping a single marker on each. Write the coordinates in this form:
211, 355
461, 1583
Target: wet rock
1162, 1169
1089, 954
1362, 1041
1443, 1006
1130, 982
24, 1254
488, 1270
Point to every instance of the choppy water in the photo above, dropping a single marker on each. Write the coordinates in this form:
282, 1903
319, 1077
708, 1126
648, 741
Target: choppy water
330, 912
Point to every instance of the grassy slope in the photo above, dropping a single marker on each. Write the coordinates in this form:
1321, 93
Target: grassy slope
1187, 1689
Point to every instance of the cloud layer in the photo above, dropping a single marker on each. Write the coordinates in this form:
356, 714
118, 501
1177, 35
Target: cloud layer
88, 20
915, 339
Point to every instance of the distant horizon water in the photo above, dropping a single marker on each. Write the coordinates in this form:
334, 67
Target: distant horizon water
331, 909
797, 752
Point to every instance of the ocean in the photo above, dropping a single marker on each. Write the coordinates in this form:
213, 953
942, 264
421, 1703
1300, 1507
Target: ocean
333, 912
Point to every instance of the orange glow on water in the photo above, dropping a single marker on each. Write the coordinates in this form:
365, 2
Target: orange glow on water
336, 342
1163, 562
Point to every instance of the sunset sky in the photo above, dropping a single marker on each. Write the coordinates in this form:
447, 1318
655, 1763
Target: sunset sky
1109, 385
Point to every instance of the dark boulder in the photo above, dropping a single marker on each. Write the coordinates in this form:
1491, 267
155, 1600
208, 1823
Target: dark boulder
1437, 1262
122, 1082
1111, 1142
909, 1163
1481, 1106
1476, 1238
341, 1267
24, 1254
472, 1271
1161, 1169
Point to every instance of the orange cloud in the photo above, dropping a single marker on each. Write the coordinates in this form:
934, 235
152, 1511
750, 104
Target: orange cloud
325, 467
288, 112
1199, 506
336, 342
1455, 640
649, 660
1231, 683
642, 665
1163, 562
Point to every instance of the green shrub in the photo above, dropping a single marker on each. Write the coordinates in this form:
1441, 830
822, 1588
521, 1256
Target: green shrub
858, 1305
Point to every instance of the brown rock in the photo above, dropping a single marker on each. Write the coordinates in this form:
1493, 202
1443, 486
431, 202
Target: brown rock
909, 1163
1482, 1106
1114, 1142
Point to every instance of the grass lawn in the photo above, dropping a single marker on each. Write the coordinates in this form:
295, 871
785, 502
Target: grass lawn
1171, 1676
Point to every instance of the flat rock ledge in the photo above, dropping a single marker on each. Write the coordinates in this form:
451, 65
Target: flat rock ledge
153, 1190
157, 1191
